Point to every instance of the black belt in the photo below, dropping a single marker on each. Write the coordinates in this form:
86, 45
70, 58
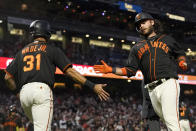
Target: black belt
156, 83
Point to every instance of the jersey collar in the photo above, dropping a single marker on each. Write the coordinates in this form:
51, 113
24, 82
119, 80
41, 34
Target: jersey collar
38, 42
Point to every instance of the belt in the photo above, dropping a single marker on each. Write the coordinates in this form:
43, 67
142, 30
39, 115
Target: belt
156, 83
184, 119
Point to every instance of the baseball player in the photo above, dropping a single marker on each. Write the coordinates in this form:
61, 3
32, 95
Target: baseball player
184, 117
13, 121
148, 112
33, 71
155, 55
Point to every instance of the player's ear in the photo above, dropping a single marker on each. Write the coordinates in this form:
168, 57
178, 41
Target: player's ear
152, 22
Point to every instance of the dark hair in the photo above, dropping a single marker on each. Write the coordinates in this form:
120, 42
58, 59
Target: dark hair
158, 27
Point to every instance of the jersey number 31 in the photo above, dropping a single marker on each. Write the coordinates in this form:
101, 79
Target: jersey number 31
32, 62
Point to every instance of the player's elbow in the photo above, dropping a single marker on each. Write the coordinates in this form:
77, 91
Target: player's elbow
72, 73
10, 82
8, 77
130, 72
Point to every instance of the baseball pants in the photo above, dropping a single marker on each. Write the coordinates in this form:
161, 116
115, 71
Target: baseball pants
165, 101
37, 101
185, 125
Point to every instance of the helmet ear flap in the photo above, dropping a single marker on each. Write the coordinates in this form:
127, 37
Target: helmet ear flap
137, 29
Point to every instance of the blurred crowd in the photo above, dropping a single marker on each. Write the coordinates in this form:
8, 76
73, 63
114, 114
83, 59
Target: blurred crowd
75, 110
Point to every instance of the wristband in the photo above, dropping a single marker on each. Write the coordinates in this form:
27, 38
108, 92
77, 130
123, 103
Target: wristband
114, 70
89, 84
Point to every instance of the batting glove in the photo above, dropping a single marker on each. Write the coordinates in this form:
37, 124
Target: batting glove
103, 68
183, 65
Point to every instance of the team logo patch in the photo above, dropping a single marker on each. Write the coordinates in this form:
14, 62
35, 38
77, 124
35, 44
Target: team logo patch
138, 16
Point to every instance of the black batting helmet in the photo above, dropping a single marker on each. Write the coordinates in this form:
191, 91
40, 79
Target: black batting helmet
12, 108
40, 28
182, 104
141, 17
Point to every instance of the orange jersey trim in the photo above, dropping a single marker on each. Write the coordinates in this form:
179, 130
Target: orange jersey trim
51, 106
155, 58
150, 64
155, 64
177, 106
66, 67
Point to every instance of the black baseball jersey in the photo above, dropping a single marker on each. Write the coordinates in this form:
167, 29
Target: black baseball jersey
37, 62
184, 113
155, 57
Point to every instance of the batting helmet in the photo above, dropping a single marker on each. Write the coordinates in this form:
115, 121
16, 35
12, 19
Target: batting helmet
40, 28
141, 17
12, 108
183, 104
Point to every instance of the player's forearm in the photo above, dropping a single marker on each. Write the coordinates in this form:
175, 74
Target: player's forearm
76, 76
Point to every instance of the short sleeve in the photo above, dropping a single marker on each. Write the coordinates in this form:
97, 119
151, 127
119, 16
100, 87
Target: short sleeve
12, 67
177, 49
61, 60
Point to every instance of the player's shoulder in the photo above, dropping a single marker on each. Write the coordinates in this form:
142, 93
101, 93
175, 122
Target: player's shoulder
168, 37
139, 43
52, 47
137, 46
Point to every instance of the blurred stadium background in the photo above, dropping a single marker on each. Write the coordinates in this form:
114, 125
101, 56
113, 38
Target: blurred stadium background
89, 31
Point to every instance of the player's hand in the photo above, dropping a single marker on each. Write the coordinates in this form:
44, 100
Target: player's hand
183, 65
102, 68
103, 95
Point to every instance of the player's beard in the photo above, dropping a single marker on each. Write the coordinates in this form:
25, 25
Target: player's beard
147, 31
